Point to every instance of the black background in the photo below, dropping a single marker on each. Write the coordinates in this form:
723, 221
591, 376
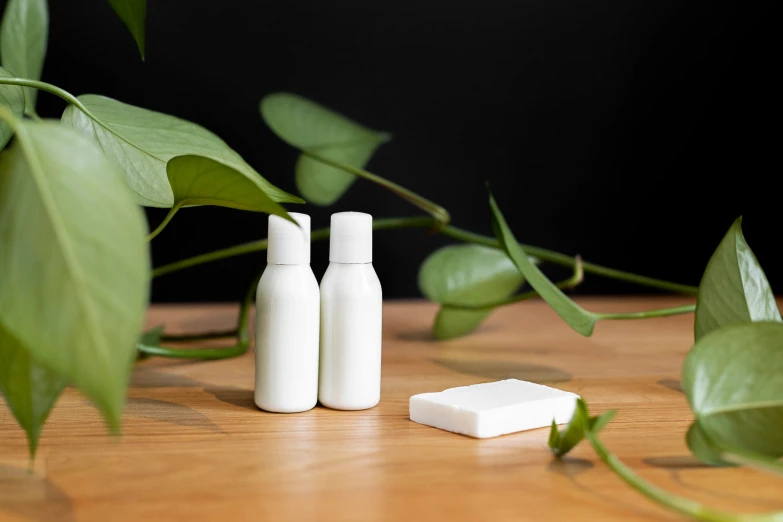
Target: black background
632, 132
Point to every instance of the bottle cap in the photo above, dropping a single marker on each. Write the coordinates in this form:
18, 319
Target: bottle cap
288, 244
351, 238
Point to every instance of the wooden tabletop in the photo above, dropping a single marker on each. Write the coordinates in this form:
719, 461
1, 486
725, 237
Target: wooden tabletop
195, 447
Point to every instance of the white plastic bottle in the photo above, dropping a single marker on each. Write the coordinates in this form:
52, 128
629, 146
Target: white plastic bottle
287, 321
351, 317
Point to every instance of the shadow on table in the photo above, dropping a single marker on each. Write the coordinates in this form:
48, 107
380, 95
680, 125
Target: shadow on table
153, 377
169, 412
238, 397
570, 466
675, 462
29, 496
672, 384
499, 370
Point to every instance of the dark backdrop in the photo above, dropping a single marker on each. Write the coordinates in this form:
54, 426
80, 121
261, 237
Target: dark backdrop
631, 131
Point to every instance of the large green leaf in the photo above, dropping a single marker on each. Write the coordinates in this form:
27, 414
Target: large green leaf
734, 288
23, 35
307, 125
11, 97
143, 141
466, 275
578, 318
133, 14
74, 261
196, 180
732, 380
29, 388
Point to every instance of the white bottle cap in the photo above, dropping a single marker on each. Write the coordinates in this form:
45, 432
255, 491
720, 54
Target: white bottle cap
351, 238
288, 244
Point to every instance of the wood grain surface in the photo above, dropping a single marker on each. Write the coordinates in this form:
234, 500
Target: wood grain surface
194, 446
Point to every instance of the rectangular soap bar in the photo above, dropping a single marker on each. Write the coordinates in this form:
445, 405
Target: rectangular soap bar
494, 408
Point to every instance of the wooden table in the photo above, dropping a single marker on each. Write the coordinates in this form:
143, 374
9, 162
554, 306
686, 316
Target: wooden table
194, 446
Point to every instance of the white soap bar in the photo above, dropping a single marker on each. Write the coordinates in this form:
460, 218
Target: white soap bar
494, 408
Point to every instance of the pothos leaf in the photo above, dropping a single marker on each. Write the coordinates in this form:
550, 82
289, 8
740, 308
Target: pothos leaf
731, 377
73, 257
307, 125
466, 275
143, 141
11, 97
578, 318
133, 14
562, 442
23, 36
29, 388
734, 288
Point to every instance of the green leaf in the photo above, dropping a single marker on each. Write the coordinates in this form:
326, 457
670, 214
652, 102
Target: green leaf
30, 389
12, 97
732, 380
574, 433
196, 180
578, 318
74, 262
734, 288
307, 125
143, 141
703, 448
23, 35
466, 275
133, 14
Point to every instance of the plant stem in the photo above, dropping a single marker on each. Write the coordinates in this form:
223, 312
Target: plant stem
242, 332
440, 214
661, 312
669, 500
760, 462
449, 231
52, 89
205, 336
165, 222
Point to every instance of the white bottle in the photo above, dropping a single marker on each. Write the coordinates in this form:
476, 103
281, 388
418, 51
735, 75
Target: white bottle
351, 311
287, 320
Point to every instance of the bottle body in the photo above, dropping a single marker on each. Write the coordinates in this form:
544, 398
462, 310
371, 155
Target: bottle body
287, 334
351, 329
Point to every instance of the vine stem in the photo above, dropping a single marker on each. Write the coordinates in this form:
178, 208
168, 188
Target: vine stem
449, 231
239, 348
165, 222
669, 500
440, 214
51, 89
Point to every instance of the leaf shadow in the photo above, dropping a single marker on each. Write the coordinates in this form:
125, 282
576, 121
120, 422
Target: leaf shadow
238, 397
723, 494
675, 462
672, 384
29, 496
499, 370
169, 412
424, 335
570, 466
152, 377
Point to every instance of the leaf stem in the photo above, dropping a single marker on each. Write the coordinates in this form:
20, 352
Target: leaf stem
204, 336
753, 460
173, 210
440, 214
449, 231
242, 332
669, 500
52, 89
661, 312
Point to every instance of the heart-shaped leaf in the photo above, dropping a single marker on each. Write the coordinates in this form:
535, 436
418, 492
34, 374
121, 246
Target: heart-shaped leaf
466, 275
731, 377
143, 141
196, 180
11, 97
74, 261
703, 448
23, 35
578, 318
734, 288
307, 125
29, 388
133, 13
